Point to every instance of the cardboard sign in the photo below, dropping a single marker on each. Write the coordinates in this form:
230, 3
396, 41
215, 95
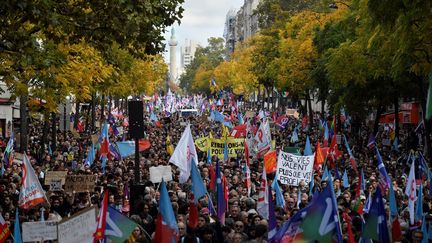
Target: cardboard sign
249, 114
39, 231
55, 175
79, 228
291, 169
80, 183
159, 172
56, 185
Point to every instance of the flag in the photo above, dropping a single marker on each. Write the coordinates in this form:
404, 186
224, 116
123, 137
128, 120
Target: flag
326, 135
104, 141
17, 230
184, 153
31, 193
8, 151
272, 217
198, 187
193, 213
91, 155
326, 175
319, 157
169, 146
226, 157
101, 219
263, 138
4, 229
281, 121
166, 228
118, 227
113, 152
294, 136
363, 182
280, 201
424, 230
384, 179
270, 161
213, 82
410, 191
318, 221
307, 149
345, 180
262, 205
239, 131
393, 205
221, 205
371, 141
419, 206
209, 157
395, 146
376, 223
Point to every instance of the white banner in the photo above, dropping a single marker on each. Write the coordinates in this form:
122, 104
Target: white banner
79, 228
39, 231
159, 172
291, 169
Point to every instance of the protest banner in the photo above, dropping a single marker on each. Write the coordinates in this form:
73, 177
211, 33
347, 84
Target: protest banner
291, 169
39, 231
235, 145
55, 175
78, 228
159, 172
80, 183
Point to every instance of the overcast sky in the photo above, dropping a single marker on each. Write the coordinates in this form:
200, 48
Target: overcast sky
201, 19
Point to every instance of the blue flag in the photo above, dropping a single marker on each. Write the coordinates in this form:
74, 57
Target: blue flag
384, 179
126, 148
294, 136
363, 182
209, 157
280, 201
198, 187
226, 152
345, 180
325, 175
376, 223
393, 205
17, 230
318, 221
424, 230
308, 148
165, 208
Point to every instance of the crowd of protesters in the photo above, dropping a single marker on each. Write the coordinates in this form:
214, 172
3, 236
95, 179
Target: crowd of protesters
242, 223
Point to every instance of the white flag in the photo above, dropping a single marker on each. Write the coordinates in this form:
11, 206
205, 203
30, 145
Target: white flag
184, 153
410, 191
31, 193
263, 138
263, 203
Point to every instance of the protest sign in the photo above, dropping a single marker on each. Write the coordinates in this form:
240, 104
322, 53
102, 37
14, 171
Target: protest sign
55, 175
202, 143
249, 114
55, 185
79, 228
291, 169
159, 172
39, 231
80, 183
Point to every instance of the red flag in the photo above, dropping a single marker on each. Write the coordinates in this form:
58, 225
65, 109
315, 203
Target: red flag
239, 131
226, 191
348, 220
144, 144
334, 152
319, 157
4, 229
104, 149
396, 230
212, 177
246, 150
193, 215
101, 220
270, 159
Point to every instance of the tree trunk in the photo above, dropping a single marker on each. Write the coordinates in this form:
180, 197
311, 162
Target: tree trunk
88, 117
102, 103
93, 113
309, 103
45, 131
259, 95
396, 114
323, 109
53, 131
380, 110
24, 122
423, 85
77, 114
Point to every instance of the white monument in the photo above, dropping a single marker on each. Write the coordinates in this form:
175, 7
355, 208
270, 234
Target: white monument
173, 61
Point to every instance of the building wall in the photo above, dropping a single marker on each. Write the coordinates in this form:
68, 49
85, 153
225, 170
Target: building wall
8, 110
241, 25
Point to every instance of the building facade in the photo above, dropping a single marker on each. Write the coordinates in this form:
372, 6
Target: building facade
241, 25
187, 53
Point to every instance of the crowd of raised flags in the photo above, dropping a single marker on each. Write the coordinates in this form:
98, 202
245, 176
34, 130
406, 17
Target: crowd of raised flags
319, 220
